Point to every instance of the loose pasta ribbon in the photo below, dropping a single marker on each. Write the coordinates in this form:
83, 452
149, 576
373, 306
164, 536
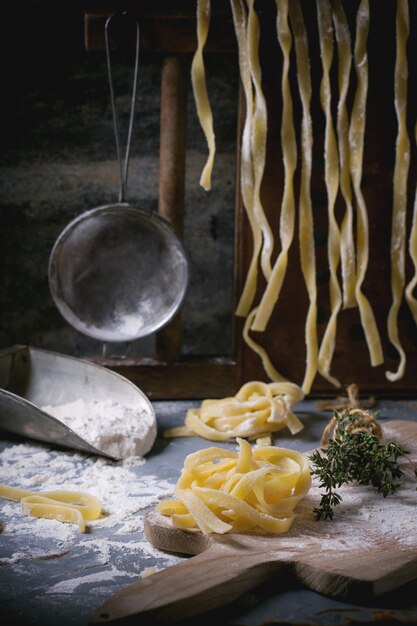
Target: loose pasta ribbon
222, 491
356, 142
257, 409
65, 506
198, 80
306, 223
289, 145
401, 169
331, 176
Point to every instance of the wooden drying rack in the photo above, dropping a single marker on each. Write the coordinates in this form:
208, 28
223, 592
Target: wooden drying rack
168, 28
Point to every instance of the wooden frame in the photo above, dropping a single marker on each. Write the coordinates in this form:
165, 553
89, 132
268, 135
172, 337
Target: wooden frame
284, 336
169, 28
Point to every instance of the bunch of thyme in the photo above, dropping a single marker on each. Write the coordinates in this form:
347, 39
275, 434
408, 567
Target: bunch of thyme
354, 454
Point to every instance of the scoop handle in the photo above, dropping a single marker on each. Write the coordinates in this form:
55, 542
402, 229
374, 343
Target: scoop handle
207, 581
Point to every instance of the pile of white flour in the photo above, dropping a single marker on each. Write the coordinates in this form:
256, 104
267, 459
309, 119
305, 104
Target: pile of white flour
113, 428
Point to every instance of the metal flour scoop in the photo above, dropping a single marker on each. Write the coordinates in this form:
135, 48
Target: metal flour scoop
32, 379
118, 272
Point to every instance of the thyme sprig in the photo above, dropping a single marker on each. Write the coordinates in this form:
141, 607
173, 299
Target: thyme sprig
354, 454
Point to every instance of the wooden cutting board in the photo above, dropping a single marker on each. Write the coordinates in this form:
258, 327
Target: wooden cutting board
368, 549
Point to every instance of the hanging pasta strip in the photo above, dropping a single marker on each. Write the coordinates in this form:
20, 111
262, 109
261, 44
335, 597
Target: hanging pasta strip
258, 139
332, 182
289, 148
412, 247
347, 246
356, 142
260, 351
198, 80
306, 228
399, 209
246, 166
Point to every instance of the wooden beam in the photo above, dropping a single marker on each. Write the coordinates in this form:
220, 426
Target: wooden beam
166, 27
172, 151
192, 377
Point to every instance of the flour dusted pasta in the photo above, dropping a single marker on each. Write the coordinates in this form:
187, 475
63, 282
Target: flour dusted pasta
399, 209
412, 247
267, 364
356, 143
66, 506
221, 491
258, 137
306, 225
331, 176
246, 164
289, 147
256, 410
347, 248
198, 79
343, 91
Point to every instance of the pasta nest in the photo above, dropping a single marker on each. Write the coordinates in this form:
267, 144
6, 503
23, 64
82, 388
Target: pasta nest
221, 491
257, 409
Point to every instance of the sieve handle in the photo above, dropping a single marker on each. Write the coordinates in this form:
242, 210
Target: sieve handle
123, 167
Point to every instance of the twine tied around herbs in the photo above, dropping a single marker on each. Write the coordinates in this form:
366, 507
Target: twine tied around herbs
360, 421
351, 416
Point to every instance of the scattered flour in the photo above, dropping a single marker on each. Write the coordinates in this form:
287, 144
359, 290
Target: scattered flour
114, 544
70, 585
364, 519
111, 427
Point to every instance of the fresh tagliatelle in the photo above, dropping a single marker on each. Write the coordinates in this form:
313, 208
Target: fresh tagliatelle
399, 209
356, 142
306, 224
246, 165
331, 175
257, 410
65, 506
343, 97
258, 137
253, 147
347, 251
289, 148
267, 364
198, 80
412, 248
222, 491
